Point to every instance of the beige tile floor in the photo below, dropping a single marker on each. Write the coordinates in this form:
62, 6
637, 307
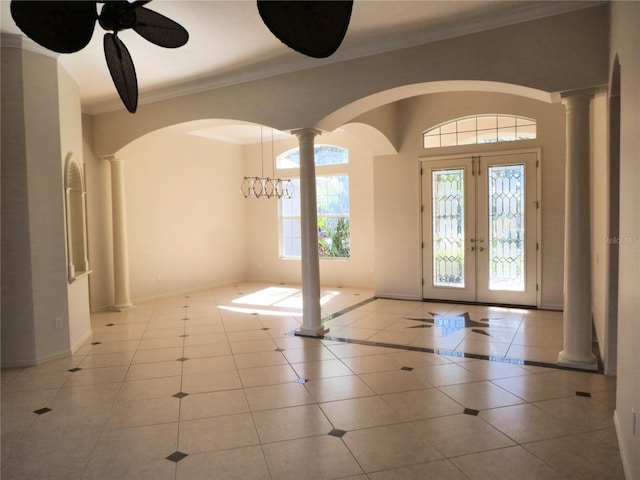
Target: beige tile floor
217, 376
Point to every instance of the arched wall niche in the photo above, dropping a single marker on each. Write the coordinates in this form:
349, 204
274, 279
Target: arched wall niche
76, 218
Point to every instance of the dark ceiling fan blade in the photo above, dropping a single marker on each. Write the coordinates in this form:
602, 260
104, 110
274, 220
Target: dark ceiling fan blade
61, 26
122, 70
314, 28
159, 29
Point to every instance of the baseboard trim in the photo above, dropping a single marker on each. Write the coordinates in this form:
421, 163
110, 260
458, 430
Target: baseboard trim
557, 308
624, 455
36, 361
79, 343
395, 296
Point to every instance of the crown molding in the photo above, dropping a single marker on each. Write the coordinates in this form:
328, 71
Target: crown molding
526, 13
12, 40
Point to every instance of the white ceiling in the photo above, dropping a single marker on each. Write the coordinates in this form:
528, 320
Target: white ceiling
228, 43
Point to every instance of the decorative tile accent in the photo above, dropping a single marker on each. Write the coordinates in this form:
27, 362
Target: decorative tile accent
583, 394
77, 369
265, 329
407, 369
109, 324
96, 343
182, 359
185, 318
180, 395
336, 432
40, 411
301, 380
183, 336
255, 313
471, 411
176, 456
452, 324
279, 350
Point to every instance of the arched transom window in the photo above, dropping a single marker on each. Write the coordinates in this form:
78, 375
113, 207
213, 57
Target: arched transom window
480, 129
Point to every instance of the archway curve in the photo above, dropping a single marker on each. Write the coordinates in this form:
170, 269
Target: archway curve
370, 102
231, 130
374, 140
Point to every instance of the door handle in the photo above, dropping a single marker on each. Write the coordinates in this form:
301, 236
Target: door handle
481, 249
472, 249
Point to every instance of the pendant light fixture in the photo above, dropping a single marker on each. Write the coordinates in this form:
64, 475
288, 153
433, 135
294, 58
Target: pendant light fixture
266, 187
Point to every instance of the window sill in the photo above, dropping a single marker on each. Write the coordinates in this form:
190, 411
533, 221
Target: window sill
80, 275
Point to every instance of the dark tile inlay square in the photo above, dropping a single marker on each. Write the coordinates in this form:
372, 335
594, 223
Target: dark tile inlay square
471, 411
336, 432
182, 359
183, 336
176, 456
279, 350
180, 395
185, 318
301, 380
40, 411
77, 369
265, 328
96, 343
407, 369
109, 324
583, 394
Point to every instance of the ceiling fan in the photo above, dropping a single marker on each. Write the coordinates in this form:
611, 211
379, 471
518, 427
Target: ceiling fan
314, 28
67, 27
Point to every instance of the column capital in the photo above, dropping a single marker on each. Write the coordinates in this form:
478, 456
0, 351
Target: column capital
112, 159
303, 132
582, 94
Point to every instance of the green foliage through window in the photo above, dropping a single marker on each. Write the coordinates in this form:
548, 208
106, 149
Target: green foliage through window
332, 198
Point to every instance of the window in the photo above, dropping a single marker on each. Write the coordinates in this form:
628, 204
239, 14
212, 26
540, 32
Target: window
324, 155
480, 129
332, 197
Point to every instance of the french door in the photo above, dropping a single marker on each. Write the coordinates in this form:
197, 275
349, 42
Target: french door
479, 228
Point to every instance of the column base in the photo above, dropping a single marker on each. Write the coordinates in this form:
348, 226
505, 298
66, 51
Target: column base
316, 333
121, 308
589, 362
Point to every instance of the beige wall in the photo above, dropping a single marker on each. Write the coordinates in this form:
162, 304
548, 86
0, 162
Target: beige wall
185, 215
600, 213
98, 186
34, 280
625, 38
71, 142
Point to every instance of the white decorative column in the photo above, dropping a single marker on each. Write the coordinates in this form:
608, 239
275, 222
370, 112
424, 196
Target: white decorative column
311, 316
577, 349
120, 250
